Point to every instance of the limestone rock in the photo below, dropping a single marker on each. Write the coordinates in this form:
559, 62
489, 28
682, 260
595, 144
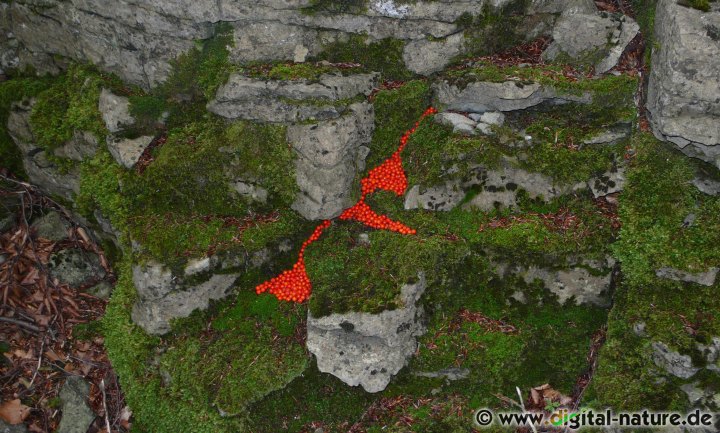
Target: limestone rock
51, 226
609, 136
282, 101
706, 278
75, 267
443, 197
249, 190
481, 96
40, 170
501, 185
459, 123
425, 57
574, 282
163, 296
368, 349
674, 363
115, 111
76, 414
330, 154
494, 188
127, 151
683, 99
83, 144
591, 38
608, 183
707, 185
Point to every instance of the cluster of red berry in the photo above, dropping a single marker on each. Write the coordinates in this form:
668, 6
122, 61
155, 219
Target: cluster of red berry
294, 284
363, 213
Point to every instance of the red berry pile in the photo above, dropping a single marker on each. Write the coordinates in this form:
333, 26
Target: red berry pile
294, 284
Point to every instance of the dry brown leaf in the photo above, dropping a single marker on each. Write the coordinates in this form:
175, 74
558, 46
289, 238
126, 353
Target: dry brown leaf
31, 277
14, 412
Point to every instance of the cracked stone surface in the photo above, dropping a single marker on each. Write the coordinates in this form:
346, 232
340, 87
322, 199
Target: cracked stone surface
368, 349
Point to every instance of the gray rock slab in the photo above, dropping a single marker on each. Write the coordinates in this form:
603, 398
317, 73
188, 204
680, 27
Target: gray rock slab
481, 96
52, 226
115, 111
368, 349
75, 267
683, 98
706, 278
163, 296
127, 151
673, 362
76, 414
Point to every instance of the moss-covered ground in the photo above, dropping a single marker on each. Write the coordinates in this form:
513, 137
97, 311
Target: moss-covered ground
653, 210
242, 365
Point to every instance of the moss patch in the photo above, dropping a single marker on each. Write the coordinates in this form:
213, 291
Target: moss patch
295, 71
70, 104
658, 197
182, 382
13, 90
349, 275
384, 55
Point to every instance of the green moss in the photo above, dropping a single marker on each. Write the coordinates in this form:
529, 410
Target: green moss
100, 180
395, 112
497, 361
495, 30
701, 5
352, 276
657, 198
70, 104
314, 396
294, 71
335, 6
181, 383
13, 90
201, 71
384, 55
197, 162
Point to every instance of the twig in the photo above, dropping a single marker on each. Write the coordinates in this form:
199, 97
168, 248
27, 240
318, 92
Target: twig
107, 419
522, 405
22, 324
42, 346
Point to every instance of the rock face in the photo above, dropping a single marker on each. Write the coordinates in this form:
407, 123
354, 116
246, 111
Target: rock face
75, 267
575, 282
41, 171
115, 111
76, 414
138, 39
494, 188
368, 349
330, 154
163, 296
288, 101
598, 39
481, 96
127, 151
684, 85
51, 226
674, 363
328, 133
706, 278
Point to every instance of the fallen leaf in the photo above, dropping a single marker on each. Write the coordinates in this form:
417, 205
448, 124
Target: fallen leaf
14, 412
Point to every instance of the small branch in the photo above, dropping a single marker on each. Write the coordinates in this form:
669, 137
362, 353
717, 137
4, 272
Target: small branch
22, 324
42, 346
107, 418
